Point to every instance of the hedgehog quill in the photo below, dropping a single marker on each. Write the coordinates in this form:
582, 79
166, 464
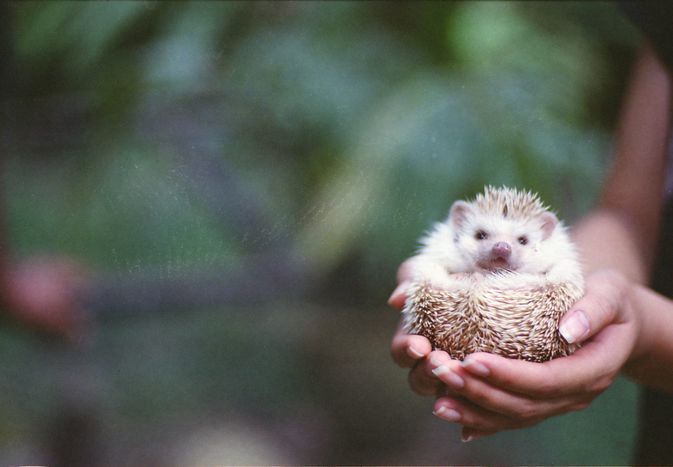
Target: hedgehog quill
496, 276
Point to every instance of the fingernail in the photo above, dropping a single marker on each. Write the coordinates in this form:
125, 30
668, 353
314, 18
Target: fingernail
435, 360
473, 366
448, 377
575, 327
468, 438
413, 353
447, 414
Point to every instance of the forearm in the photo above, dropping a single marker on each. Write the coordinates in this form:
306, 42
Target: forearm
634, 189
652, 360
621, 232
606, 240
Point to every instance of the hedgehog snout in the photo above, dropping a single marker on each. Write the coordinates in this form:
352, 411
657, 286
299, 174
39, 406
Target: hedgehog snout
501, 250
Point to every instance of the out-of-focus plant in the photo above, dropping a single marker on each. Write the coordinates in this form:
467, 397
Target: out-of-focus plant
350, 136
511, 108
178, 136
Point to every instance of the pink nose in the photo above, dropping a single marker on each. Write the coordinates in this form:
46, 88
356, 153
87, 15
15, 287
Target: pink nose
501, 250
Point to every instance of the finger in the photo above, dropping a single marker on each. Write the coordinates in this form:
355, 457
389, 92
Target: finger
399, 295
406, 270
422, 384
490, 397
442, 367
404, 276
589, 370
598, 308
470, 434
457, 410
422, 379
407, 349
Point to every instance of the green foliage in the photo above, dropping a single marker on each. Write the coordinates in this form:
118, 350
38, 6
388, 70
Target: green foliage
347, 128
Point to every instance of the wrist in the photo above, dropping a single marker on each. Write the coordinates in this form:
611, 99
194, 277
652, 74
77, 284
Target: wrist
644, 315
642, 339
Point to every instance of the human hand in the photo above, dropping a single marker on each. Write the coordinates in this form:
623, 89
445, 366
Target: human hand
43, 293
411, 351
489, 393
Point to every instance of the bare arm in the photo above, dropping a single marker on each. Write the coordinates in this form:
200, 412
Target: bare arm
621, 232
652, 360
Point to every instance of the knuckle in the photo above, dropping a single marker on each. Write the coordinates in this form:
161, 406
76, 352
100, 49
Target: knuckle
601, 305
610, 287
597, 306
604, 290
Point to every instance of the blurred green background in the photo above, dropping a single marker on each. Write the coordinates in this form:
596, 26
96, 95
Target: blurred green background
243, 179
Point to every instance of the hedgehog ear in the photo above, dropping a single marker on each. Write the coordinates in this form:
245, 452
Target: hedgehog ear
458, 213
549, 222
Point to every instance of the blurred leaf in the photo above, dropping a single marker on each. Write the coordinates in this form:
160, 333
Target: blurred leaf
80, 33
347, 129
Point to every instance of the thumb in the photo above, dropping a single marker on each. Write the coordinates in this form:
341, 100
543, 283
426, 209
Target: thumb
599, 307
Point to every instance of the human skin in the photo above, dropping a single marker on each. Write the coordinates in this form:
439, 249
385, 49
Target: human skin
43, 293
624, 327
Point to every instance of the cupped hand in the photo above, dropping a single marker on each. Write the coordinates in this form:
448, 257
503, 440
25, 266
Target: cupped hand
488, 393
495, 393
408, 350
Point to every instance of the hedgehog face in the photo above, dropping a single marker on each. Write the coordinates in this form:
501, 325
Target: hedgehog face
493, 242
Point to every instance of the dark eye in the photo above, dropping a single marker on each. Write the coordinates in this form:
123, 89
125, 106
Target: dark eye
481, 235
523, 240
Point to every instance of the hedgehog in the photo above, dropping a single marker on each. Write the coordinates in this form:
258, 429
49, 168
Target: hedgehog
496, 276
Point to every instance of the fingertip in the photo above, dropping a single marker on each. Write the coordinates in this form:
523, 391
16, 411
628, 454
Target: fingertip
600, 306
415, 353
484, 358
472, 365
575, 327
438, 358
399, 295
444, 402
469, 434
407, 349
446, 409
418, 347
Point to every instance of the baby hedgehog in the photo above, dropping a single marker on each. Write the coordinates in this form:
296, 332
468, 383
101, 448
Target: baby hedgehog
496, 276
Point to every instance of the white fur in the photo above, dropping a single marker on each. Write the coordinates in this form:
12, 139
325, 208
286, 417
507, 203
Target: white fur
451, 247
